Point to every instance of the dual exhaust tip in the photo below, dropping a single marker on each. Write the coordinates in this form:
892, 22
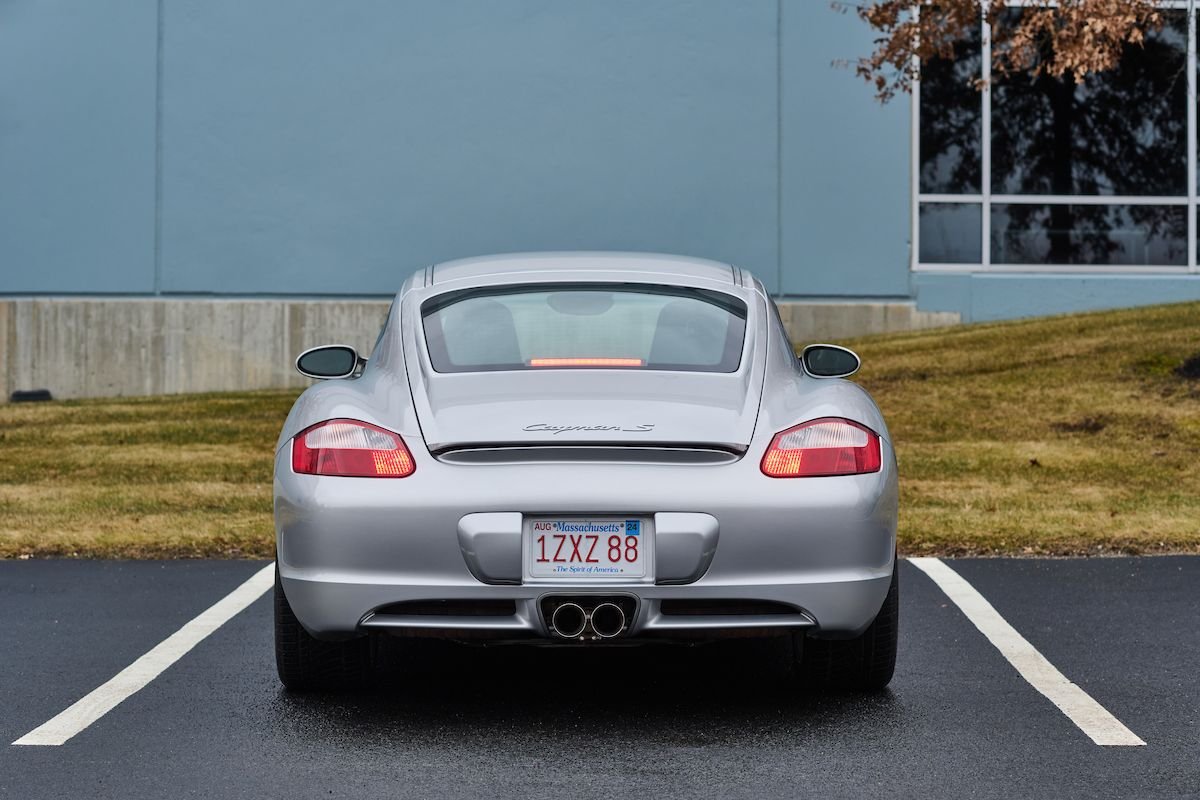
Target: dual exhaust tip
572, 621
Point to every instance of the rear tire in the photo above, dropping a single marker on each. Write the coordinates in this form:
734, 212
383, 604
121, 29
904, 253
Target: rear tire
308, 664
862, 664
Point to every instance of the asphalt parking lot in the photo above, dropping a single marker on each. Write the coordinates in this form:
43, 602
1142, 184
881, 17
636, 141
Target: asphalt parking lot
958, 721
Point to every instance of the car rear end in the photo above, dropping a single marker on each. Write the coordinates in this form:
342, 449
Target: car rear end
586, 461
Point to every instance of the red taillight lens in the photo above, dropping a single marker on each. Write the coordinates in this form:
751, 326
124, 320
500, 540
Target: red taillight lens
586, 362
822, 447
351, 449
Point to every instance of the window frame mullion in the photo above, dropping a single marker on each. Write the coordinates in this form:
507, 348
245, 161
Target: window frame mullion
1191, 135
985, 146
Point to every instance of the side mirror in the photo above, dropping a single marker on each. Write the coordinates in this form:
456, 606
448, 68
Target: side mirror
329, 361
829, 361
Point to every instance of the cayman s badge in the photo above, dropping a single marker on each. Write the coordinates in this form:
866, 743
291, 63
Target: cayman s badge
555, 430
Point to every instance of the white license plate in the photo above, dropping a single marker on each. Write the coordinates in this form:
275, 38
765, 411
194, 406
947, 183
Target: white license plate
586, 548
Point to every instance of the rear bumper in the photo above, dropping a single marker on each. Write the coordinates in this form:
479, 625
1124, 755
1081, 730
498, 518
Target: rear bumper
335, 608
347, 547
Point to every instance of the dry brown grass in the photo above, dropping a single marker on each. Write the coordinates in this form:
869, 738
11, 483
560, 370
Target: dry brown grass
1064, 435
161, 477
1054, 436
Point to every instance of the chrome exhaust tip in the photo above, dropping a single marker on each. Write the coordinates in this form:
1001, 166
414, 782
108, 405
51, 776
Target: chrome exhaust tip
608, 620
569, 620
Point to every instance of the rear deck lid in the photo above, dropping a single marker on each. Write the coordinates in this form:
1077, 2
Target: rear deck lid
585, 364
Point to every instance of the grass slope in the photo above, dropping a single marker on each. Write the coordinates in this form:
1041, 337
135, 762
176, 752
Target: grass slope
187, 475
1063, 435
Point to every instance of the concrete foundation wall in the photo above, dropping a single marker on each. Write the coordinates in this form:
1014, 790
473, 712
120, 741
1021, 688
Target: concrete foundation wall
111, 347
809, 322
101, 348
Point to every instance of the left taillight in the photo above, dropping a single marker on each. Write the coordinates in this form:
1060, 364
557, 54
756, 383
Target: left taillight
351, 449
822, 448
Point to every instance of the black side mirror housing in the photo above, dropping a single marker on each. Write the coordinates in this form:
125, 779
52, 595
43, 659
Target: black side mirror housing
829, 361
329, 362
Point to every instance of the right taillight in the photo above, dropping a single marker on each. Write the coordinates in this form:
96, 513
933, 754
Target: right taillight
351, 449
822, 447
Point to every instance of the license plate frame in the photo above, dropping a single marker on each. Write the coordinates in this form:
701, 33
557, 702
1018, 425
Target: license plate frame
576, 544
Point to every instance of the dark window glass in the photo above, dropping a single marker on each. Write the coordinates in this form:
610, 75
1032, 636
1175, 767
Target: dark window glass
950, 233
617, 326
1119, 132
1089, 234
950, 119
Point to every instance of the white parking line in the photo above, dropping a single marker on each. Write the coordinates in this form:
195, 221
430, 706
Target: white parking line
1090, 717
125, 683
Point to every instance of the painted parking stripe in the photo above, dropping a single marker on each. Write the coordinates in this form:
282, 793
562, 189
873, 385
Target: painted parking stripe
1088, 715
128, 681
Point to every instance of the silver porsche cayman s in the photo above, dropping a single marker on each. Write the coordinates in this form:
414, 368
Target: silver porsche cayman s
585, 449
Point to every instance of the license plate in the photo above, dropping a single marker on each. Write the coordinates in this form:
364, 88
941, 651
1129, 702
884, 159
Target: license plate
586, 548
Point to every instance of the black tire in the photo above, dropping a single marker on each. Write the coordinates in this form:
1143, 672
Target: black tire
308, 664
862, 664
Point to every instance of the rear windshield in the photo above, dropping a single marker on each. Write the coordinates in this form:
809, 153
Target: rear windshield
585, 326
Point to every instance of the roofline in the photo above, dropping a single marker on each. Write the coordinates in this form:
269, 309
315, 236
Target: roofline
642, 263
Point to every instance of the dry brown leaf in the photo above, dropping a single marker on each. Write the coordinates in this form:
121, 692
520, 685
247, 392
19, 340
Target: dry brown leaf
1059, 38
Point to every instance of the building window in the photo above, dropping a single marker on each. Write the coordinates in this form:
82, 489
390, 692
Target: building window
1039, 174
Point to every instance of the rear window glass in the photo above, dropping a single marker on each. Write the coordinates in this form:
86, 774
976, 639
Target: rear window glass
585, 326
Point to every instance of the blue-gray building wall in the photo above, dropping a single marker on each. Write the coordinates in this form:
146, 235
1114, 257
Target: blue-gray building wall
316, 148
77, 146
302, 147
998, 296
845, 207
